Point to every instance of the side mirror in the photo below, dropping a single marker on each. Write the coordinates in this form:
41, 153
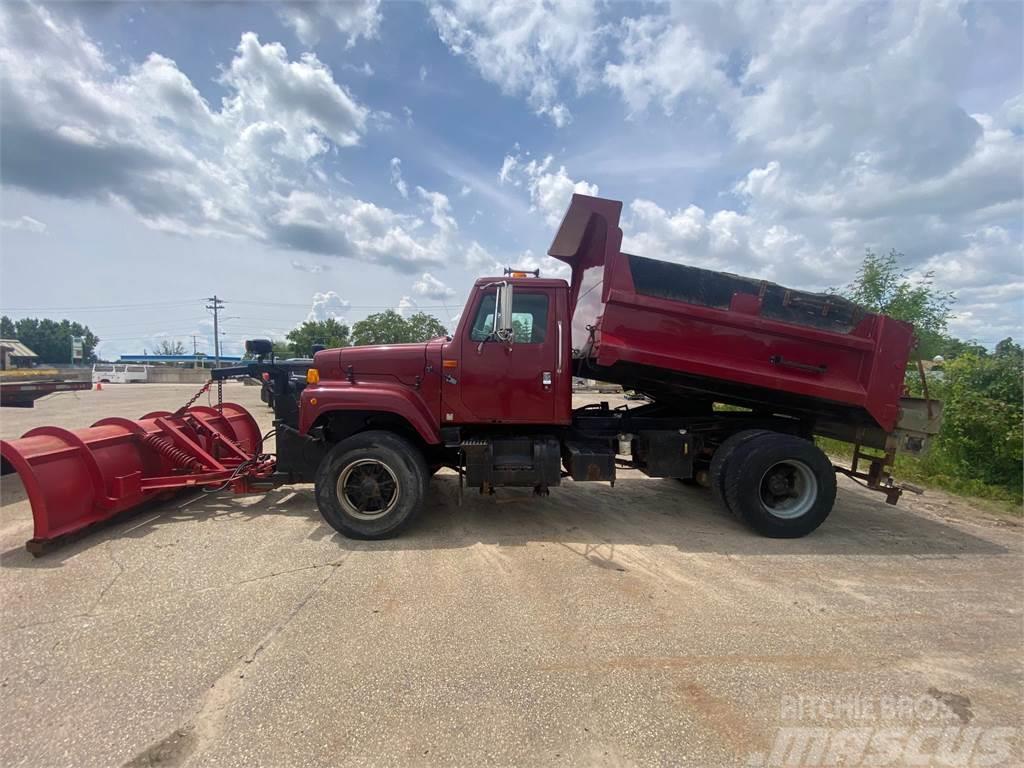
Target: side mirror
503, 329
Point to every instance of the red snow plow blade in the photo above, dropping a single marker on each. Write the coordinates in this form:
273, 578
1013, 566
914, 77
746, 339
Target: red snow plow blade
77, 478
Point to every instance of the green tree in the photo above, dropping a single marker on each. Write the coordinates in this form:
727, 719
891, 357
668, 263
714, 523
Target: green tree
951, 348
391, 328
882, 285
50, 339
167, 347
424, 327
380, 328
330, 332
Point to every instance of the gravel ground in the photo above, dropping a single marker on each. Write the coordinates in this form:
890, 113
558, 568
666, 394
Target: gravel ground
634, 625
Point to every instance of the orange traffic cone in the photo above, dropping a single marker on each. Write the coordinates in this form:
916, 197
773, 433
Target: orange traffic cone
99, 386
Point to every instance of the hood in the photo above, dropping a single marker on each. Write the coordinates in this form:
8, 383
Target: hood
403, 362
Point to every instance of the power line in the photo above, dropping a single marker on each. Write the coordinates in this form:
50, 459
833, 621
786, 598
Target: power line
345, 308
102, 307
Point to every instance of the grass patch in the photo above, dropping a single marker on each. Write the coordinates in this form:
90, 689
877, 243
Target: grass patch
930, 471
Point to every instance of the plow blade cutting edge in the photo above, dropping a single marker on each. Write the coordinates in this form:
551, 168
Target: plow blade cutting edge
77, 478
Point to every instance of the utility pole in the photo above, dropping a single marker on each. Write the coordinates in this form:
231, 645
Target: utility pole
216, 307
195, 346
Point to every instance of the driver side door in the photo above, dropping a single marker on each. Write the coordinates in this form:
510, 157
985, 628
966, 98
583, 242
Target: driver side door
509, 383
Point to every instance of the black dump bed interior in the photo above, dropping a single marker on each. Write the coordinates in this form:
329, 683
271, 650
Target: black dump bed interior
707, 288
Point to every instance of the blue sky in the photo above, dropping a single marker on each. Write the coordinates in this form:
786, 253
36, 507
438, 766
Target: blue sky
333, 159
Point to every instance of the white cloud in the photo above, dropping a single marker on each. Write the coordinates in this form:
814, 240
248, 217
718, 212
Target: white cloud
661, 61
363, 69
25, 224
508, 166
559, 114
299, 98
723, 240
525, 50
407, 306
440, 211
352, 18
430, 287
481, 262
550, 191
149, 141
548, 267
396, 177
326, 306
355, 228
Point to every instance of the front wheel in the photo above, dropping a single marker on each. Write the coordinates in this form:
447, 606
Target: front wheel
782, 485
371, 485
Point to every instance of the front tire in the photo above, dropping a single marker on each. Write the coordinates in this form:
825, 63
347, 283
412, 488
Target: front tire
371, 485
782, 486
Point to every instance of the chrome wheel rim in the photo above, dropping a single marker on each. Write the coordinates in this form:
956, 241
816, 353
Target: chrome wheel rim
368, 489
788, 489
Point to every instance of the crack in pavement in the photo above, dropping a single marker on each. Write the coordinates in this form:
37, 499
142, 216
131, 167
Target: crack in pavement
312, 567
103, 592
89, 613
188, 741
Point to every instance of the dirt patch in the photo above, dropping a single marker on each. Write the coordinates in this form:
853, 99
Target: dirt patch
957, 704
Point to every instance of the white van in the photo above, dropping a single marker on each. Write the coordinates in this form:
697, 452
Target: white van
119, 373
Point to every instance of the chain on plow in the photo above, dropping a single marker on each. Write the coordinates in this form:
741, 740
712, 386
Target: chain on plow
202, 390
191, 401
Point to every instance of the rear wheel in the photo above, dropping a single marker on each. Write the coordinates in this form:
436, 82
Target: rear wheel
371, 485
720, 460
782, 485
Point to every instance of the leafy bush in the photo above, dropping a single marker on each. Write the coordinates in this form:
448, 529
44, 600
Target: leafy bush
982, 436
980, 450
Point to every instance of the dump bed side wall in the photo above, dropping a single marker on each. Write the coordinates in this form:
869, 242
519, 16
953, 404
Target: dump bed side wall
861, 367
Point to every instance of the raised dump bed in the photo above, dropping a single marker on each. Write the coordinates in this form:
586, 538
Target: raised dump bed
684, 332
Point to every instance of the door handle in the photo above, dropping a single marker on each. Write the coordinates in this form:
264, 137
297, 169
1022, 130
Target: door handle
780, 361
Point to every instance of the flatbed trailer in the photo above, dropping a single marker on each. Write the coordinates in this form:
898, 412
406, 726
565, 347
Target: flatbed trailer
740, 375
23, 394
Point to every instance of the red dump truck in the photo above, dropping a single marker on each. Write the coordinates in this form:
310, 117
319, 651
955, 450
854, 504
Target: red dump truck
740, 374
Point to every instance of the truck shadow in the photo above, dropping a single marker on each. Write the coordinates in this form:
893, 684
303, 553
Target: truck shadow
667, 513
590, 516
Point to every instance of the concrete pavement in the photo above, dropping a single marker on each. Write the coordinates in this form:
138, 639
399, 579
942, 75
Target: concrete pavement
634, 625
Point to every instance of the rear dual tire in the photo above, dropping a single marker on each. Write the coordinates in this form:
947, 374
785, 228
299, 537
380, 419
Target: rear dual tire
371, 485
782, 486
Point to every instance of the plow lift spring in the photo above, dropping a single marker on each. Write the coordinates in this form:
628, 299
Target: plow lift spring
75, 479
